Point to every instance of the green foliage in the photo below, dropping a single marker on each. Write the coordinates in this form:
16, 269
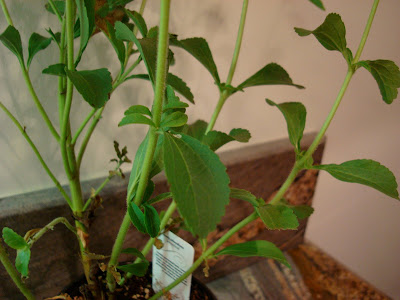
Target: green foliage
56, 69
243, 195
295, 115
198, 182
387, 76
12, 40
318, 3
55, 36
151, 220
22, 261
216, 139
93, 85
277, 217
255, 248
137, 217
302, 211
271, 74
198, 47
176, 119
366, 172
86, 25
117, 44
135, 252
36, 44
159, 198
139, 22
13, 239
60, 6
135, 119
138, 109
137, 269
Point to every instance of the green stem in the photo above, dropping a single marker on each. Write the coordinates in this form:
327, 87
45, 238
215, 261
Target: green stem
222, 98
50, 226
84, 123
289, 180
366, 31
6, 13
121, 78
161, 73
15, 276
53, 6
61, 79
39, 156
210, 251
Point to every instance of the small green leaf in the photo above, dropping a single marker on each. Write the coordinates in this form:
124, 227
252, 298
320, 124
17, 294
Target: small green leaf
295, 115
138, 21
318, 3
135, 252
331, 34
93, 85
12, 40
55, 36
241, 135
60, 6
216, 139
135, 119
243, 195
364, 171
117, 44
255, 248
198, 182
137, 269
22, 261
149, 191
57, 69
197, 129
198, 47
277, 217
36, 44
137, 217
86, 24
138, 109
13, 239
176, 119
151, 220
387, 76
302, 211
159, 198
271, 74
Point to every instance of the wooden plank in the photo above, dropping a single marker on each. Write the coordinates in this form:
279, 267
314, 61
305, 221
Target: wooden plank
260, 169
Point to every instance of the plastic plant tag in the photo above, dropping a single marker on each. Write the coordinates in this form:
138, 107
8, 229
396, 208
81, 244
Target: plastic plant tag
170, 262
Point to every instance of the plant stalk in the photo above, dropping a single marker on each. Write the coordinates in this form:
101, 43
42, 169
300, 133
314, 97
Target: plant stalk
50, 226
15, 276
6, 13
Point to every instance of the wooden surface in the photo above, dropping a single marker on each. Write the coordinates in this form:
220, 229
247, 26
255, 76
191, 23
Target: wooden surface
55, 263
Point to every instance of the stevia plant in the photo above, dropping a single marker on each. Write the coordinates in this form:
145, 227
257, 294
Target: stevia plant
199, 185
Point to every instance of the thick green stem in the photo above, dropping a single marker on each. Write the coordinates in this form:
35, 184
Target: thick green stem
50, 226
15, 276
210, 251
38, 155
6, 13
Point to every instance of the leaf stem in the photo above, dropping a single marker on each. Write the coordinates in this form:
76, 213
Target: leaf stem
56, 11
15, 276
84, 123
210, 251
50, 226
6, 13
39, 156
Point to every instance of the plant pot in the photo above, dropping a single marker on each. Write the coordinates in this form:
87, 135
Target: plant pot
140, 287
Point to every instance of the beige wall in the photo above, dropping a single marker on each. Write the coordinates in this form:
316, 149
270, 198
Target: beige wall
358, 226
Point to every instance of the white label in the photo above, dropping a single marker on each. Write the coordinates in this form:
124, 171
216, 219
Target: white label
170, 262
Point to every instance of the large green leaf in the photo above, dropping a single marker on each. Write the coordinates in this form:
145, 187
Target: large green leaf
387, 76
198, 182
364, 171
147, 47
331, 34
318, 3
295, 115
255, 248
93, 85
86, 24
271, 74
117, 44
139, 21
198, 47
216, 139
22, 261
13, 239
277, 217
36, 44
151, 220
12, 40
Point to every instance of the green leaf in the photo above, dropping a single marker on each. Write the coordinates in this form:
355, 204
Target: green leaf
117, 44
135, 119
13, 239
36, 44
60, 6
302, 211
364, 171
151, 220
318, 3
277, 217
138, 109
138, 21
240, 135
197, 129
93, 85
147, 47
295, 115
243, 195
137, 217
255, 248
55, 36
22, 261
198, 182
12, 40
57, 69
198, 47
159, 198
86, 24
387, 76
216, 139
149, 191
176, 119
271, 74
331, 34
137, 269
135, 252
